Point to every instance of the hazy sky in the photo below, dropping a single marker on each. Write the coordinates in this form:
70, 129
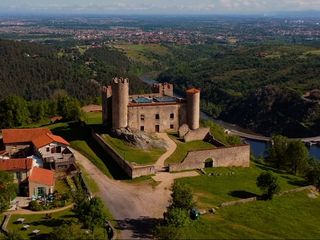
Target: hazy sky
157, 6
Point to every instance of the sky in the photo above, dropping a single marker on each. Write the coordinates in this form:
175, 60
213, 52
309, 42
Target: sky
158, 6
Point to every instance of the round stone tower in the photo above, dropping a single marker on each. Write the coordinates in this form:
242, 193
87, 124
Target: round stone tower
120, 101
193, 108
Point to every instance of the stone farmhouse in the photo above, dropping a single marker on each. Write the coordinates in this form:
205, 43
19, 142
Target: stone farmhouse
32, 155
159, 111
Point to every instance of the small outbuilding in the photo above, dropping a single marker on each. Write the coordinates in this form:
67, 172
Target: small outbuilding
41, 182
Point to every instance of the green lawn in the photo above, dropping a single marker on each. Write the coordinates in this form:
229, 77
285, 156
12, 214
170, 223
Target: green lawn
91, 184
183, 148
213, 190
93, 118
38, 221
293, 216
133, 154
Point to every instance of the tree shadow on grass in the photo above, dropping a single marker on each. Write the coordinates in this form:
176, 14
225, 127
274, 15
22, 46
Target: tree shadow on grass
242, 194
49, 222
142, 227
269, 168
39, 236
294, 181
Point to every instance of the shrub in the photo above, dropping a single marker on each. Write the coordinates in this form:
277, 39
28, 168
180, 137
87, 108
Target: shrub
268, 184
35, 206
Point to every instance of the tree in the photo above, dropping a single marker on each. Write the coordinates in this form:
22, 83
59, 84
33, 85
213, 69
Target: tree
13, 112
181, 197
90, 212
177, 217
8, 190
277, 152
69, 108
268, 184
313, 177
297, 156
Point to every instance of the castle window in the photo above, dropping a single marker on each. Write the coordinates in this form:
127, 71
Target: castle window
172, 116
142, 128
171, 126
142, 117
157, 116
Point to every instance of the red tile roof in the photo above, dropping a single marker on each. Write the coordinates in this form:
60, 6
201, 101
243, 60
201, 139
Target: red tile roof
42, 176
193, 90
22, 135
38, 136
16, 164
48, 138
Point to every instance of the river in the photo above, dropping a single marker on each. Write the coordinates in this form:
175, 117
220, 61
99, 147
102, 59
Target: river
258, 148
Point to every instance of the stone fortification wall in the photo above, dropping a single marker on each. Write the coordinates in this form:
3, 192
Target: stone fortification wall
237, 156
169, 117
196, 135
133, 171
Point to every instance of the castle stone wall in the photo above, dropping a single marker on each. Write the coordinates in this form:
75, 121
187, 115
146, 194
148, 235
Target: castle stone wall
145, 116
133, 171
237, 156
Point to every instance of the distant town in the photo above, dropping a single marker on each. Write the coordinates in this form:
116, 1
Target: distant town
174, 30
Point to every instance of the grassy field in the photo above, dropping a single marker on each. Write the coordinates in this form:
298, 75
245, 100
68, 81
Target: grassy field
183, 148
227, 184
143, 53
133, 154
293, 216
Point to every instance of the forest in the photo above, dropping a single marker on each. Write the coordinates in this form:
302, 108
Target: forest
263, 87
37, 72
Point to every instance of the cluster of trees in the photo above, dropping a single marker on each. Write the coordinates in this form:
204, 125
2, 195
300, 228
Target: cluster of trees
293, 156
8, 190
177, 215
90, 214
289, 155
234, 79
15, 111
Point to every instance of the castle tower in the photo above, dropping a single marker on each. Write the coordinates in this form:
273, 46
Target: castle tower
106, 93
120, 101
164, 89
193, 108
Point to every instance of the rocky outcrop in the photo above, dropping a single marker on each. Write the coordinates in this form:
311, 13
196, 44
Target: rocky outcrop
139, 139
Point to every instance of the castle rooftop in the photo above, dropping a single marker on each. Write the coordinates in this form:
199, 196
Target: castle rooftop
193, 90
154, 100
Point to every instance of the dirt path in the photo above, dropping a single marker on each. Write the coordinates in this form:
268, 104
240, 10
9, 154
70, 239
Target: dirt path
29, 212
136, 207
170, 150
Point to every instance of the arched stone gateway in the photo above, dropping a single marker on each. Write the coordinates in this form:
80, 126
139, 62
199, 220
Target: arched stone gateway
209, 163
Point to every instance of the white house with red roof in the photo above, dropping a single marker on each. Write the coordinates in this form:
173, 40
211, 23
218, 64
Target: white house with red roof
32, 181
28, 152
52, 149
41, 182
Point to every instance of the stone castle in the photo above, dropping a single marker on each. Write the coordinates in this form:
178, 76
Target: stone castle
159, 111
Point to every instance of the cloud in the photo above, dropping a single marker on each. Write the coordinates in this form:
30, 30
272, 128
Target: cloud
161, 6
